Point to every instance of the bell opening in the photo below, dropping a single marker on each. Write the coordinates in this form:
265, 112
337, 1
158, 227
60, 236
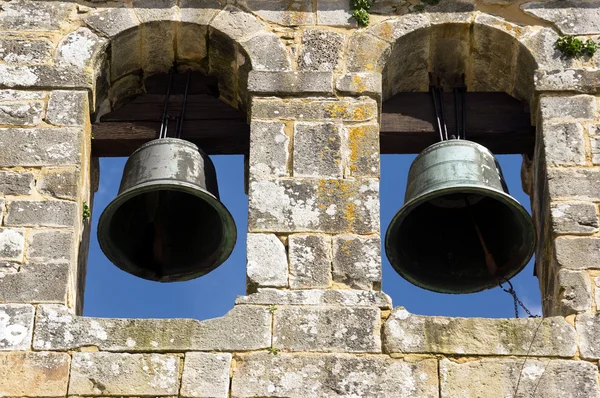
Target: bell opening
435, 243
168, 235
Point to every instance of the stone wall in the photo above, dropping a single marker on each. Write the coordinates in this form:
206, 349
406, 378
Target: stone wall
315, 322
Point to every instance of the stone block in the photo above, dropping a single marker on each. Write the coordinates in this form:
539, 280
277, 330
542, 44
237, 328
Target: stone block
267, 263
357, 261
158, 52
50, 246
405, 333
578, 80
2, 203
39, 147
575, 292
300, 376
244, 328
12, 244
580, 107
321, 50
367, 53
572, 17
34, 374
15, 50
112, 21
295, 13
541, 46
126, 54
310, 261
67, 108
48, 213
595, 147
20, 95
155, 10
14, 183
596, 281
124, 90
496, 378
327, 329
81, 48
361, 150
21, 113
578, 253
317, 150
573, 183
34, 283
359, 83
35, 15
344, 298
223, 62
335, 13
191, 43
269, 150
205, 375
236, 24
266, 82
61, 184
574, 218
588, 329
564, 144
394, 28
42, 76
102, 373
267, 53
16, 327
346, 109
199, 12
314, 205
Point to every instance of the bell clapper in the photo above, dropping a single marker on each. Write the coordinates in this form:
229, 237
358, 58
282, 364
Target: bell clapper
490, 263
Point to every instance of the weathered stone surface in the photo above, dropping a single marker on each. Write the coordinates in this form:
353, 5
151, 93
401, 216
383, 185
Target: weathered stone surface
155, 10
199, 12
12, 244
335, 13
407, 333
581, 107
296, 13
321, 50
267, 261
357, 261
359, 83
16, 326
495, 378
577, 184
346, 298
578, 253
158, 52
80, 48
15, 50
126, 53
12, 183
39, 147
49, 213
244, 328
588, 329
21, 113
236, 24
564, 144
574, 218
19, 95
346, 109
67, 108
572, 17
389, 7
361, 150
310, 261
191, 43
367, 53
579, 80
49, 246
327, 329
112, 21
595, 147
269, 150
575, 292
267, 53
314, 205
61, 184
42, 76
205, 375
394, 28
34, 283
290, 82
35, 15
317, 150
102, 373
33, 374
299, 376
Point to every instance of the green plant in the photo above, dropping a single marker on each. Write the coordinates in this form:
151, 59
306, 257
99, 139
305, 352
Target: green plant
87, 213
273, 350
360, 12
571, 46
590, 47
272, 309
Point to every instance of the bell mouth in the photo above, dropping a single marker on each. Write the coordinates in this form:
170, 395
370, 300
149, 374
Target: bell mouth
165, 233
433, 243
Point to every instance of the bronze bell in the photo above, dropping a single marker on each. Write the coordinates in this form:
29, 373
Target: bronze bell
459, 230
167, 223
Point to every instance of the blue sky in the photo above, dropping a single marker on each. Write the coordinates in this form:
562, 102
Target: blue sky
111, 292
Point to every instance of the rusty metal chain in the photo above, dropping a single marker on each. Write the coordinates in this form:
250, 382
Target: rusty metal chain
516, 299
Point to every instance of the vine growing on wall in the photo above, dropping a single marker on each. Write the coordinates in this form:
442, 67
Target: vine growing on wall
361, 13
571, 46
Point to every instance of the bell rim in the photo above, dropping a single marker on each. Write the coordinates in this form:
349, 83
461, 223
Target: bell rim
225, 215
471, 188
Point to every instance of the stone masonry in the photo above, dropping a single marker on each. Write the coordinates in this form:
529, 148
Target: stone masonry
315, 322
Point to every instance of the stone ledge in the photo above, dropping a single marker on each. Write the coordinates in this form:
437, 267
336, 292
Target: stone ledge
359, 83
265, 82
346, 109
244, 328
343, 298
407, 333
570, 17
578, 80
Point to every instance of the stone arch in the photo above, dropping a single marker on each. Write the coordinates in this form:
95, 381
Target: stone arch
121, 46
